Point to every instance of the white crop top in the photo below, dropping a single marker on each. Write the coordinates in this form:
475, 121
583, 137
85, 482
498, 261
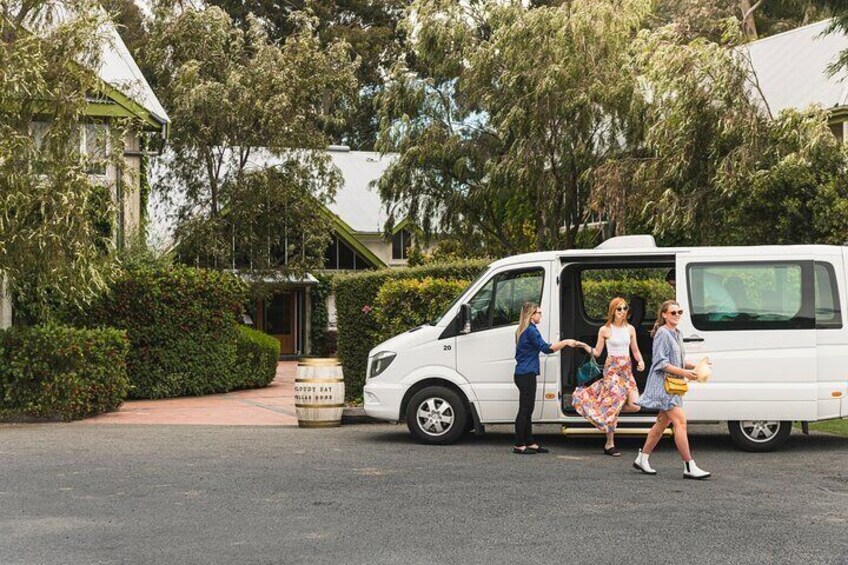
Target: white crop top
618, 343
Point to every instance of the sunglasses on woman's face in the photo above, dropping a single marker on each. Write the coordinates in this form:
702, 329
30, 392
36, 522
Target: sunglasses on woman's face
537, 312
675, 312
622, 309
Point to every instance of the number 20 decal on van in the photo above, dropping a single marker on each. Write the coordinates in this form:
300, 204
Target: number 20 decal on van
770, 318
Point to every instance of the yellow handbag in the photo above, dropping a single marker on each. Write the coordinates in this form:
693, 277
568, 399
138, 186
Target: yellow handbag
676, 385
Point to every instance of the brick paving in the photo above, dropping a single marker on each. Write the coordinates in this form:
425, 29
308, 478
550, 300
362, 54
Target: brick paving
269, 406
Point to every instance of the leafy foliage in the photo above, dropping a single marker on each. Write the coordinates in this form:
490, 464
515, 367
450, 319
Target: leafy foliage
359, 329
718, 168
61, 372
490, 145
182, 324
52, 211
368, 27
404, 304
257, 355
239, 100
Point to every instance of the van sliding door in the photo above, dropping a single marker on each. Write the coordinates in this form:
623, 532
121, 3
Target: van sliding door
755, 319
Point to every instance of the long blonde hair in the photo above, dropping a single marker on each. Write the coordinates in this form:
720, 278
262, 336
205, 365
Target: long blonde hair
660, 320
527, 312
615, 303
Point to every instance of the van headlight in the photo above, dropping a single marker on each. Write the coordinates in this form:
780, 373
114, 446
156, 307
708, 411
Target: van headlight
380, 362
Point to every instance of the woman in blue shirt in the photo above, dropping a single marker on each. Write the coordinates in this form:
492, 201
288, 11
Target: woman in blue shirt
528, 345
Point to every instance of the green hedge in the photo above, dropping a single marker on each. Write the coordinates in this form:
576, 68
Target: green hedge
182, 324
62, 372
257, 355
359, 329
401, 305
597, 294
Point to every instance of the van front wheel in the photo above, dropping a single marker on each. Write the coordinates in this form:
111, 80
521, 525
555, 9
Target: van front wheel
759, 435
436, 415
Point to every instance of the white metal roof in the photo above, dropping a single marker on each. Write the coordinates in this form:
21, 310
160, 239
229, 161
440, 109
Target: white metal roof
117, 66
119, 69
791, 67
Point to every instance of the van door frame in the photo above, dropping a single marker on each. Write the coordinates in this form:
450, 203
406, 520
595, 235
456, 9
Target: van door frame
571, 286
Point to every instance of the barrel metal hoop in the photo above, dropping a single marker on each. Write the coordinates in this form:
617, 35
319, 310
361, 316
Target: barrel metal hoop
319, 405
319, 380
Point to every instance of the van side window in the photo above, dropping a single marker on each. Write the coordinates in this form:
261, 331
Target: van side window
828, 310
749, 296
499, 302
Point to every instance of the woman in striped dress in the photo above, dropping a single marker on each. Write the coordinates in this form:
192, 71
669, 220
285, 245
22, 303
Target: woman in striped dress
669, 359
602, 401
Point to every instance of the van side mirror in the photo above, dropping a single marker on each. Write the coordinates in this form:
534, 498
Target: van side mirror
465, 318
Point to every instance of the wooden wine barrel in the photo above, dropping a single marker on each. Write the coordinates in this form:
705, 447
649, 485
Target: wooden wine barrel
319, 393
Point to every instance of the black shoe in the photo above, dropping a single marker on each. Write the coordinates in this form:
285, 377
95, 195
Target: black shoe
539, 449
525, 451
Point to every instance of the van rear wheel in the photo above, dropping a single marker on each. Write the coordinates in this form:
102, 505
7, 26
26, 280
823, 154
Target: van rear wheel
436, 415
759, 435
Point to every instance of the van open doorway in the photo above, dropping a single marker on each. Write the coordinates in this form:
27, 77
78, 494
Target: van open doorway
587, 286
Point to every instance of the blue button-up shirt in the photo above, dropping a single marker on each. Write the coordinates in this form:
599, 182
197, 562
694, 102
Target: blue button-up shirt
530, 344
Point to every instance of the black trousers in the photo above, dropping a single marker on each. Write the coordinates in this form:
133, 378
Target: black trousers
526, 384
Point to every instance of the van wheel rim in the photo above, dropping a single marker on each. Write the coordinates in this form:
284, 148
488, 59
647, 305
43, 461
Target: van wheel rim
435, 416
759, 431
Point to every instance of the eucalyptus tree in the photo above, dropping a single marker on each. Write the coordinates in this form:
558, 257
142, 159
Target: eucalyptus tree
717, 166
52, 243
368, 27
240, 102
504, 115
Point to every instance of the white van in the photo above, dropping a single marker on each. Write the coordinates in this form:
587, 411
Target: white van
772, 320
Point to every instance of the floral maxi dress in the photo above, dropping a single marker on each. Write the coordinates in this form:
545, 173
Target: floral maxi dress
601, 402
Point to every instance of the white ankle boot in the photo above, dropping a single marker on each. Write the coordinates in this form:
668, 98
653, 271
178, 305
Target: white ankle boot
692, 471
642, 464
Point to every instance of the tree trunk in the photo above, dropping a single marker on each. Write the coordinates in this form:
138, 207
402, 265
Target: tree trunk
749, 25
5, 304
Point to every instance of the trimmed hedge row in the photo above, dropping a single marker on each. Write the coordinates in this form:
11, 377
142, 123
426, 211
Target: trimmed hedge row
359, 329
405, 304
597, 294
257, 355
62, 372
182, 324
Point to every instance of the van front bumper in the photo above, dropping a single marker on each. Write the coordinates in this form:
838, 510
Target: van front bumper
382, 400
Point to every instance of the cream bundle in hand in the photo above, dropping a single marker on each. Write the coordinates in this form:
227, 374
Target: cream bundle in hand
703, 370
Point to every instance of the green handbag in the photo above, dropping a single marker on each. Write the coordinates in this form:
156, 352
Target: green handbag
588, 372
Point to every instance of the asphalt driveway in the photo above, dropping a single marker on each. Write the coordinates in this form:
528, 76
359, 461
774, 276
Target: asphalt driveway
74, 493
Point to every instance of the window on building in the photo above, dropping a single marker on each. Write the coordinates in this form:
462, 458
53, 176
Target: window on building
749, 296
837, 131
339, 255
95, 142
401, 242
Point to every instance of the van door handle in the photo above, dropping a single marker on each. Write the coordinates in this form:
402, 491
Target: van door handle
692, 338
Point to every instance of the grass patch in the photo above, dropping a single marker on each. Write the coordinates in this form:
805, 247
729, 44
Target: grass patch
837, 427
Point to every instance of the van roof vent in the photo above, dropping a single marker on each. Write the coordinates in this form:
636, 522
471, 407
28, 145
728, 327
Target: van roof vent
628, 242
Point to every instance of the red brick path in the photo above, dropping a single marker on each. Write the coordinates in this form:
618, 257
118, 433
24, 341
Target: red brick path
269, 406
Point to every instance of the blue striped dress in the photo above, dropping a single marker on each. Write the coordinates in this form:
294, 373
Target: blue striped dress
668, 350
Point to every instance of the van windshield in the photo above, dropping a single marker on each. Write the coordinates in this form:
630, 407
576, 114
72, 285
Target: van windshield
444, 313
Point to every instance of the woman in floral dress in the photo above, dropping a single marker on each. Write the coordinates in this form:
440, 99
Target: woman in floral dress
602, 401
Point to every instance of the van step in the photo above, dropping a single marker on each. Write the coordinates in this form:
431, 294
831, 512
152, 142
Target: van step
583, 431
